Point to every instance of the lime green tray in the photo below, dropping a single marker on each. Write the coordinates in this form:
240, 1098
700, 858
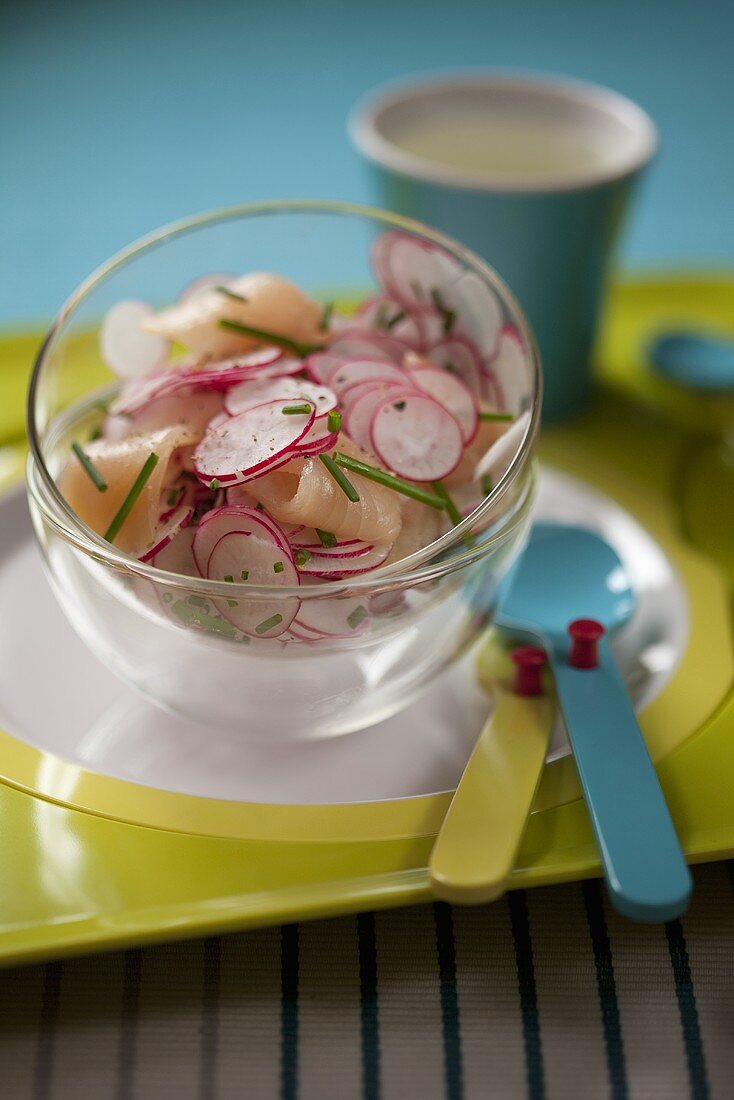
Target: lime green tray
86, 879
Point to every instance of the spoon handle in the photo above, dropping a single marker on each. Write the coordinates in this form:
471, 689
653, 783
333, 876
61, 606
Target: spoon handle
481, 833
644, 867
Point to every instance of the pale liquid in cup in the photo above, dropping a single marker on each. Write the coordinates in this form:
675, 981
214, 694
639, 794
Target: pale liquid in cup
510, 146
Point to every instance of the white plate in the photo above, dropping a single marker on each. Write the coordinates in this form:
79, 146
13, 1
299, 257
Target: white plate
56, 696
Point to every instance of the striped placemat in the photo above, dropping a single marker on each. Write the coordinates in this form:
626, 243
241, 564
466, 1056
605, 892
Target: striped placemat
547, 993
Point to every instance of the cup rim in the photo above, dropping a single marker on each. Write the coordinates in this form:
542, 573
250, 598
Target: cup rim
365, 122
419, 566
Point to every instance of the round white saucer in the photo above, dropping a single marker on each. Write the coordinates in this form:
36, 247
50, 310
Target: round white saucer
56, 696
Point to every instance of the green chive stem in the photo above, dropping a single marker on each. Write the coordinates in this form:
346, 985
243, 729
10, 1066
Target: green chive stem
381, 477
278, 567
326, 317
89, 468
245, 574
229, 579
493, 416
135, 490
296, 410
326, 538
452, 511
231, 294
268, 624
356, 616
334, 421
395, 320
487, 484
270, 337
198, 618
340, 478
215, 483
301, 556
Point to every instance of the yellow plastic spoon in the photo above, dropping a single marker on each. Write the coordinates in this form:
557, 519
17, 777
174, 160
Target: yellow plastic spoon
476, 848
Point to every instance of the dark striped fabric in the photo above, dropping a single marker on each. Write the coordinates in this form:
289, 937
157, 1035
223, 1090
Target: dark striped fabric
546, 994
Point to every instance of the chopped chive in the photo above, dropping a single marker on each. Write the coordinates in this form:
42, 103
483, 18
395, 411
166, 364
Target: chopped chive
326, 317
381, 477
245, 574
197, 601
198, 618
450, 368
89, 468
399, 405
396, 319
487, 484
340, 478
451, 510
381, 316
173, 497
334, 420
231, 294
417, 289
268, 624
326, 538
229, 579
356, 617
215, 483
278, 567
260, 507
438, 300
296, 410
270, 337
301, 556
135, 490
449, 318
449, 315
231, 603
95, 435
491, 416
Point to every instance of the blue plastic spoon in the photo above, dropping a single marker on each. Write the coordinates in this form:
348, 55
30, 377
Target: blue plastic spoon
565, 573
696, 360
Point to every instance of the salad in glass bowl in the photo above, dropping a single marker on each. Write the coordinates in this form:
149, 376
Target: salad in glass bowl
292, 506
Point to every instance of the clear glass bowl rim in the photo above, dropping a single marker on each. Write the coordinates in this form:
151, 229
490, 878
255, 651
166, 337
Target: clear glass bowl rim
411, 570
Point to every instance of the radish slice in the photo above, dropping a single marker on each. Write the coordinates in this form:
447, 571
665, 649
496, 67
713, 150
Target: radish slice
318, 440
358, 418
451, 392
411, 268
461, 357
332, 567
180, 518
177, 556
204, 282
250, 443
510, 369
242, 495
252, 549
390, 318
288, 390
477, 309
307, 539
331, 618
416, 437
354, 371
223, 521
363, 343
125, 347
321, 364
498, 459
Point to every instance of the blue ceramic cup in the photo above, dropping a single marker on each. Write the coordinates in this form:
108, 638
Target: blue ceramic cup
534, 174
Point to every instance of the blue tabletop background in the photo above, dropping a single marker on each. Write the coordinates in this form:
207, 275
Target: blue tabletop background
115, 118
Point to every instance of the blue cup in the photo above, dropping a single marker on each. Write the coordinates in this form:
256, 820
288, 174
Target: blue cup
534, 174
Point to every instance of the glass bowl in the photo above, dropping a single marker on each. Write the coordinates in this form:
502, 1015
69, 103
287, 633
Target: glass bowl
363, 648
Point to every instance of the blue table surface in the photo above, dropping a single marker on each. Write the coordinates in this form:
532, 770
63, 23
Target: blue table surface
117, 118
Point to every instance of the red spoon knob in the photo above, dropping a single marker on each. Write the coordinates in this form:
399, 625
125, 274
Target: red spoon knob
585, 635
529, 662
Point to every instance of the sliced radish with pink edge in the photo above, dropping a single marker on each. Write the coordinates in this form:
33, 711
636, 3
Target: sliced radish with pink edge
354, 371
287, 389
252, 550
318, 440
459, 356
232, 517
250, 442
358, 418
180, 518
410, 268
177, 556
321, 364
416, 437
478, 314
243, 495
451, 392
509, 368
330, 617
126, 347
390, 318
498, 459
205, 282
331, 567
362, 343
350, 548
